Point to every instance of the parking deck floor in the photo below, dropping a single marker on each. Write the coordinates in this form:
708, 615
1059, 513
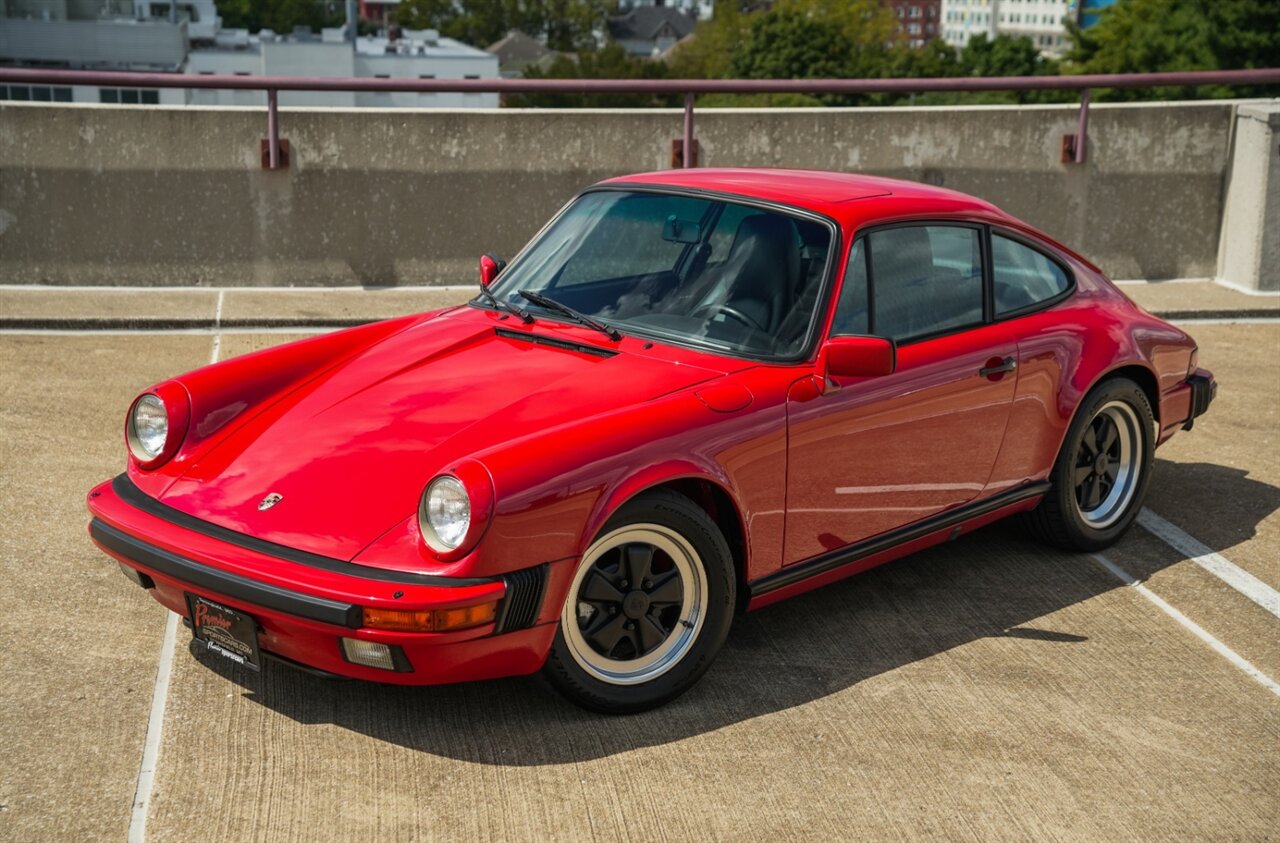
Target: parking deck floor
990, 688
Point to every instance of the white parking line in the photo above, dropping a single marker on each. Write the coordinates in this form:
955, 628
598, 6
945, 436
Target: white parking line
159, 696
1213, 562
1193, 627
155, 723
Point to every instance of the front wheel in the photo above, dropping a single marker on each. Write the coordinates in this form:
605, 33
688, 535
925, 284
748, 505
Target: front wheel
647, 610
1101, 475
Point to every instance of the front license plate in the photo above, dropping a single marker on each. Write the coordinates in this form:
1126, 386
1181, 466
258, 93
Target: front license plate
225, 631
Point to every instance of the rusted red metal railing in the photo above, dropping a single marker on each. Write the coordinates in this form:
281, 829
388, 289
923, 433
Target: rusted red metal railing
1074, 146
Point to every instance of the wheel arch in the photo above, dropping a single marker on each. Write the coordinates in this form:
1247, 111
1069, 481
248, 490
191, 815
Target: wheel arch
707, 488
1140, 374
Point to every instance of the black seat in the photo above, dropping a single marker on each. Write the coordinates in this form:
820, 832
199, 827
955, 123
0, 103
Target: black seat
763, 269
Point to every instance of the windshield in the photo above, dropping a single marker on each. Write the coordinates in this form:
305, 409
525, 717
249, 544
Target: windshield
734, 277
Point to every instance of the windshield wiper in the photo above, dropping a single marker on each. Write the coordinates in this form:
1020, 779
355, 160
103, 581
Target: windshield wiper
488, 296
581, 318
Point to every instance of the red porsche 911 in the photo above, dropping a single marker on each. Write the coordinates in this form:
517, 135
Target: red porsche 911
693, 393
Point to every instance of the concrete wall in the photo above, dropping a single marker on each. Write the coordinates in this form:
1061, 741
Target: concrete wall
1249, 254
118, 195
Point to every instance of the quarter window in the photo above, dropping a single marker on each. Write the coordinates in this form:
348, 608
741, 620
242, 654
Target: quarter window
1023, 277
925, 279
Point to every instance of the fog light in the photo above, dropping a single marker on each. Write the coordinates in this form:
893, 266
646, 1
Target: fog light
136, 576
430, 620
368, 653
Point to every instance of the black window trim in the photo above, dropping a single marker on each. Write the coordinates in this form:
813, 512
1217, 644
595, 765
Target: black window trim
986, 231
808, 349
1040, 249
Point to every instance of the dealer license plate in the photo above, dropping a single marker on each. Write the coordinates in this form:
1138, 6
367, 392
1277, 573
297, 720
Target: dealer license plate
225, 631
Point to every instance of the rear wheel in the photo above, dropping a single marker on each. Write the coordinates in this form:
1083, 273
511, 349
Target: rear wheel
1101, 475
647, 610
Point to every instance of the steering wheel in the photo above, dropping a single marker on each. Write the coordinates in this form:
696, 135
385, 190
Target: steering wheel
730, 311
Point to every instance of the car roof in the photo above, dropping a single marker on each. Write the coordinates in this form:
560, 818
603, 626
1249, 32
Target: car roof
842, 196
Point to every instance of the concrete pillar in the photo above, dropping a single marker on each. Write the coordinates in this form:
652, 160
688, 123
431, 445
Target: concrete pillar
1249, 244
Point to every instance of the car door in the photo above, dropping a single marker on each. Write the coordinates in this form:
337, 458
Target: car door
870, 455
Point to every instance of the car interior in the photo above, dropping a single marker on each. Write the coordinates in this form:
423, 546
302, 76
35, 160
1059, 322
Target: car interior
744, 278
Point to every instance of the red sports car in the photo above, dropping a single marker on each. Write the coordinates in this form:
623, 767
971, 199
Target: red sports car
693, 393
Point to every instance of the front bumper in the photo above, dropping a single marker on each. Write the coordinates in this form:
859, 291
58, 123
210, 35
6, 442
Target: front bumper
304, 604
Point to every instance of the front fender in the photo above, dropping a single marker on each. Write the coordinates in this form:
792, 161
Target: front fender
650, 477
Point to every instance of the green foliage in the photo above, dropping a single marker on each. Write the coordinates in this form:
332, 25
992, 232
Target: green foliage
566, 24
280, 15
783, 44
1144, 36
612, 62
800, 39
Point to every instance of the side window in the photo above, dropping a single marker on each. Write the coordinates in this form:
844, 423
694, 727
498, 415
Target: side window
1022, 275
852, 316
925, 279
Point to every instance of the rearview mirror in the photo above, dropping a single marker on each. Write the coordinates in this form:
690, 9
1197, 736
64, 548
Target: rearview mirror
858, 357
490, 267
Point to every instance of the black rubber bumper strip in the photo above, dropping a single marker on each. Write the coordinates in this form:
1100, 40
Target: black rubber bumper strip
840, 557
138, 499
221, 582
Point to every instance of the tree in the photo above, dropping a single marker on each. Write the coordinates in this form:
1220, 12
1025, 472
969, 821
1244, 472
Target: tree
565, 24
1004, 55
1145, 36
783, 44
612, 62
279, 15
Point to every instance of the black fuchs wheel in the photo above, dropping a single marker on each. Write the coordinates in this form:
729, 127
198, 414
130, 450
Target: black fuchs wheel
1101, 475
648, 609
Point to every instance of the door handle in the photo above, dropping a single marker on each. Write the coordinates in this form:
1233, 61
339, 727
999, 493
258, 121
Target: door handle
1008, 364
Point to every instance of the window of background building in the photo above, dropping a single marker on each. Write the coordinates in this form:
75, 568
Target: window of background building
128, 96
34, 93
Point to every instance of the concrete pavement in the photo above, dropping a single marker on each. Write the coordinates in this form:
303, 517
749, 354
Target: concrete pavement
988, 689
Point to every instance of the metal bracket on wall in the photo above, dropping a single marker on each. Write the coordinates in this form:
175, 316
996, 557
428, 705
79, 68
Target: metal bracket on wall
1075, 146
274, 150
678, 147
677, 154
282, 154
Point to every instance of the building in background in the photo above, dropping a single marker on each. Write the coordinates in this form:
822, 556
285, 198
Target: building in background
1043, 21
413, 55
1091, 10
918, 20
377, 11
518, 51
140, 35
649, 31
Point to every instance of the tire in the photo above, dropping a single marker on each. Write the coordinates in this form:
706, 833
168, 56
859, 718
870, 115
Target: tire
1101, 475
622, 649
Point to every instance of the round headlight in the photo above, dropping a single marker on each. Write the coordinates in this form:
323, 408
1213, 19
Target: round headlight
445, 513
148, 427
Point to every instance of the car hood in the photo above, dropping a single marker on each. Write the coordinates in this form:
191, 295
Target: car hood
350, 451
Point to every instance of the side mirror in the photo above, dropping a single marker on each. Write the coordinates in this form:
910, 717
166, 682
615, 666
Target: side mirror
857, 357
490, 267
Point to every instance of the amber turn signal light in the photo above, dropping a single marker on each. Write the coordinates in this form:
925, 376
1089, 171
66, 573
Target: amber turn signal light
430, 620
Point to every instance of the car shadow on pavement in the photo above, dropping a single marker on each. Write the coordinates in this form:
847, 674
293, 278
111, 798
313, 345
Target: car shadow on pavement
1220, 505
991, 584
994, 583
